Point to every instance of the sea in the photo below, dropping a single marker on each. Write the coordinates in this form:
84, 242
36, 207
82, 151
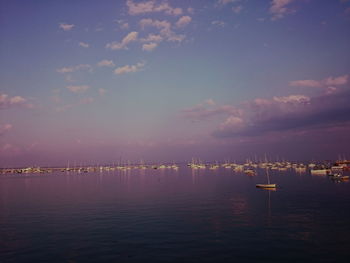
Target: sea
167, 215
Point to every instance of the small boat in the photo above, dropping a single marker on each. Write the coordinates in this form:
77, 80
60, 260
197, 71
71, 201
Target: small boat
268, 185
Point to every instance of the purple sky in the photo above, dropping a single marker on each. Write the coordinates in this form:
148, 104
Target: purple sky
98, 81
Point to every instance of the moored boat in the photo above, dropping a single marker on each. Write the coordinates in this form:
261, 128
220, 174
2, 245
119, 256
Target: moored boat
266, 185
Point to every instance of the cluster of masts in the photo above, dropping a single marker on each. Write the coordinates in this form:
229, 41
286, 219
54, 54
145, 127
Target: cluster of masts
86, 169
249, 167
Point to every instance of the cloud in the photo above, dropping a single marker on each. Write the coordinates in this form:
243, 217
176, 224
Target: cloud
105, 63
78, 89
66, 27
152, 38
152, 7
102, 91
7, 102
160, 24
131, 37
218, 23
9, 150
190, 10
149, 47
183, 21
341, 80
208, 109
237, 9
83, 44
282, 114
232, 124
225, 2
330, 81
298, 99
279, 8
123, 25
71, 69
128, 69
164, 29
5, 128
306, 83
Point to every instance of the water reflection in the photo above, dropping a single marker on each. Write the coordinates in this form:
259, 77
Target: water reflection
138, 214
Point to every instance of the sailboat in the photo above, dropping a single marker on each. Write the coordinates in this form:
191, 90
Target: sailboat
268, 185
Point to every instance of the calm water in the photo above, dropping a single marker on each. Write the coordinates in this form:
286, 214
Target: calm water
173, 216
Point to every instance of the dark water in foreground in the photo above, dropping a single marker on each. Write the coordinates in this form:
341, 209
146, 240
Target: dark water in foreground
173, 216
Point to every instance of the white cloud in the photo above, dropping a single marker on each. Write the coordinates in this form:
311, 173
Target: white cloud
71, 69
152, 38
293, 99
131, 37
128, 69
149, 46
83, 44
66, 27
105, 63
164, 27
160, 24
183, 21
151, 7
279, 8
78, 89
218, 23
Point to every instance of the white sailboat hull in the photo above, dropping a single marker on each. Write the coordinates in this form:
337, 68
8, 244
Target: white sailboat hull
266, 185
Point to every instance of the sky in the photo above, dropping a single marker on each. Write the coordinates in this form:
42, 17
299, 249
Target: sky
96, 82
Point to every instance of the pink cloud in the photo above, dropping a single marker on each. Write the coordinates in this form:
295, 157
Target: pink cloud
341, 80
7, 102
5, 128
9, 149
105, 63
306, 83
149, 46
71, 69
152, 7
279, 8
330, 81
129, 68
131, 37
281, 114
208, 109
164, 27
183, 21
78, 89
237, 9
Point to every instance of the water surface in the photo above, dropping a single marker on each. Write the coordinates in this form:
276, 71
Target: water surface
173, 216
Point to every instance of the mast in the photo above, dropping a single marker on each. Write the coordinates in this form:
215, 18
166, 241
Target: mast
268, 176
